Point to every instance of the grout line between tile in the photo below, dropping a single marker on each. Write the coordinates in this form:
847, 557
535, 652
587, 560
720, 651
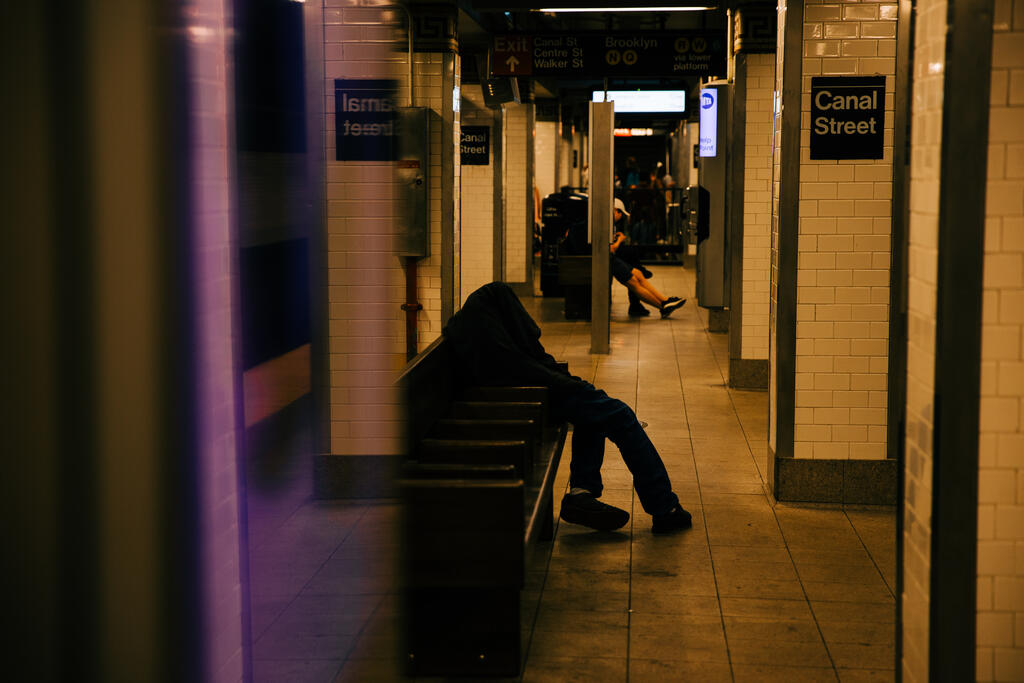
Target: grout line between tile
870, 555
803, 590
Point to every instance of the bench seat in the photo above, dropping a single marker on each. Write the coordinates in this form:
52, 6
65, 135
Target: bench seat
478, 493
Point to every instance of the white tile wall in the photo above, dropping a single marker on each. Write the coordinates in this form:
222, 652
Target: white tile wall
366, 282
773, 275
477, 192
545, 149
757, 206
516, 138
1000, 642
926, 126
218, 447
844, 244
428, 74
565, 157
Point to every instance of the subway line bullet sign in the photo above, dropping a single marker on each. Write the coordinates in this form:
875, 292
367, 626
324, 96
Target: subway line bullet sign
847, 117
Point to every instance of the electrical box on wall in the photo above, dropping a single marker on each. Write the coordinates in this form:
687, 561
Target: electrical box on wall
413, 180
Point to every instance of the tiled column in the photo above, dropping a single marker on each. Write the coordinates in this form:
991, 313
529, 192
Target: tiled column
926, 122
564, 149
1000, 624
477, 192
518, 122
751, 226
364, 280
835, 448
545, 149
438, 79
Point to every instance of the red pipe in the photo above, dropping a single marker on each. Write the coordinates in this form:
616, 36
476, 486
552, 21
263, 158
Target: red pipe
411, 307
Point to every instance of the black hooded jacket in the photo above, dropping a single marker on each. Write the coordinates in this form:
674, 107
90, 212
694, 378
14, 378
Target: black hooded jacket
498, 343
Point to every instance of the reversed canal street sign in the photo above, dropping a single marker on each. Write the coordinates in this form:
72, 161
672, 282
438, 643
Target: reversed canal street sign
365, 122
847, 117
599, 55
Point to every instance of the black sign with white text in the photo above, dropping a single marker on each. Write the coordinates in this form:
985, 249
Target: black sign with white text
476, 145
847, 117
364, 115
645, 54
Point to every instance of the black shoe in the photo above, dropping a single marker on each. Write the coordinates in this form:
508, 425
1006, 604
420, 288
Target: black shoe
675, 520
671, 299
669, 306
583, 508
638, 311
646, 273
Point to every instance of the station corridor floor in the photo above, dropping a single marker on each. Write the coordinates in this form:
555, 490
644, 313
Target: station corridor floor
756, 591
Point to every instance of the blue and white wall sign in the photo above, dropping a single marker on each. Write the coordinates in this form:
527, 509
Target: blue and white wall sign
366, 125
708, 122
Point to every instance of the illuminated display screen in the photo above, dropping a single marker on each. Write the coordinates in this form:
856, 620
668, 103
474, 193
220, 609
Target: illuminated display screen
644, 101
708, 122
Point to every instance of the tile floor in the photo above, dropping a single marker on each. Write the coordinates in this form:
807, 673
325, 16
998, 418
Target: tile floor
756, 591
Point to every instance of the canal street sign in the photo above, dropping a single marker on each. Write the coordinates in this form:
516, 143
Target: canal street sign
475, 147
847, 117
612, 55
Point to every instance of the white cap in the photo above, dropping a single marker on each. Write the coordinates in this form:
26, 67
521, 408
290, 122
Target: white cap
621, 207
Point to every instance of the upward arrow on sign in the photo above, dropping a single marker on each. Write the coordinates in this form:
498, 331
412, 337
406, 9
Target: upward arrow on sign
511, 62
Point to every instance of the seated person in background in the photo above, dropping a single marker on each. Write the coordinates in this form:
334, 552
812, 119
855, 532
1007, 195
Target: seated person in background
497, 343
633, 276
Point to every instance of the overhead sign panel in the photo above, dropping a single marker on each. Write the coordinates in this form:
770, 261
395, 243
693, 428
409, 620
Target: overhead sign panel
847, 117
644, 101
621, 55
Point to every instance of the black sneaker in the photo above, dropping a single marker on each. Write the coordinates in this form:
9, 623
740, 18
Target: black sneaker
675, 520
583, 508
638, 311
671, 299
669, 306
646, 273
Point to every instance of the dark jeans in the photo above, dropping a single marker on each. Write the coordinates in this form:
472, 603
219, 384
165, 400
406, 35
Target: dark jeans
596, 416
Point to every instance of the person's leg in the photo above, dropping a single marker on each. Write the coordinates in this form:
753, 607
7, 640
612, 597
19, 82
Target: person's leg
601, 416
587, 458
636, 307
644, 294
646, 291
644, 283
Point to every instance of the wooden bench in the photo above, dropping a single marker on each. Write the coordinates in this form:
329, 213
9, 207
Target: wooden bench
477, 487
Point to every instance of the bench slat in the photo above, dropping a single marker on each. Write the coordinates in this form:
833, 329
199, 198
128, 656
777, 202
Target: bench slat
483, 452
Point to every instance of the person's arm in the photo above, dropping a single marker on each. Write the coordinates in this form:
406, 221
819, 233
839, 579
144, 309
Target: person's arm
619, 239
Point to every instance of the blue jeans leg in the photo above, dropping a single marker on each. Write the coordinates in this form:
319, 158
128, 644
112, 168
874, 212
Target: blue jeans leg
595, 417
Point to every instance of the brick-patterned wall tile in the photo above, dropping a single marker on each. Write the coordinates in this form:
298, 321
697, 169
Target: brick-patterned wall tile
516, 138
929, 54
366, 281
843, 268
477, 193
1000, 619
757, 219
214, 343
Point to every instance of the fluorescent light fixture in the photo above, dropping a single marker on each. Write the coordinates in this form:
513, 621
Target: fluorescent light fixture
643, 101
623, 9
633, 132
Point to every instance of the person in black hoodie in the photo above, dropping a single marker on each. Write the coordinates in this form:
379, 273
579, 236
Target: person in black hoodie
498, 343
